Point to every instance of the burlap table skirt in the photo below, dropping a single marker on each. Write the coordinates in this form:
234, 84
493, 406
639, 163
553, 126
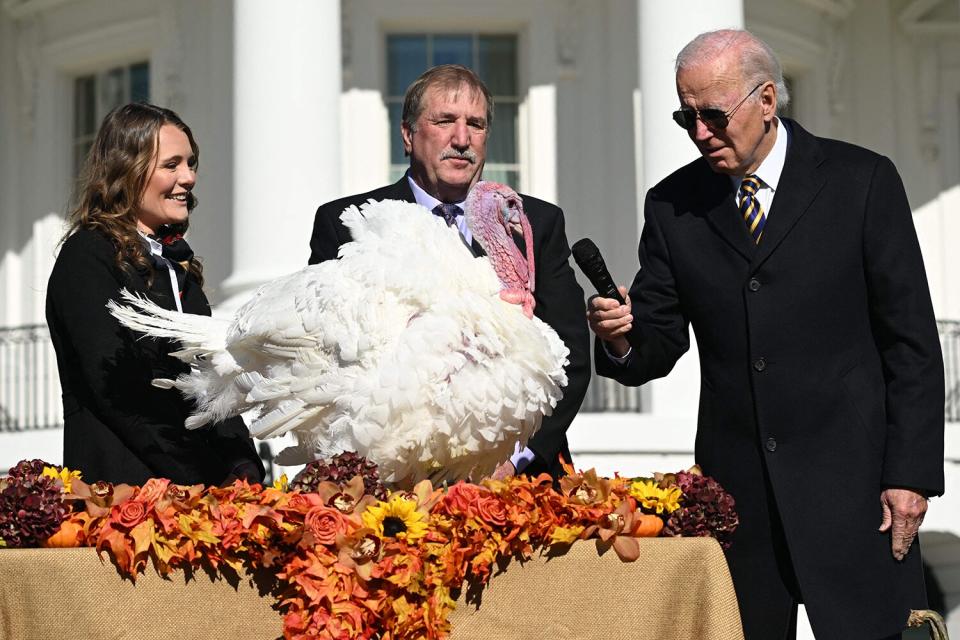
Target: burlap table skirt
677, 589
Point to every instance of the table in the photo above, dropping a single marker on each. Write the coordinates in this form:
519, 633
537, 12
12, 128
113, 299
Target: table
678, 588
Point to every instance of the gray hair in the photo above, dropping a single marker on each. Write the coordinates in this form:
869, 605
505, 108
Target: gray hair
758, 62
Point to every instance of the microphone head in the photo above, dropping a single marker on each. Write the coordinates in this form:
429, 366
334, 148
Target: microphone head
584, 250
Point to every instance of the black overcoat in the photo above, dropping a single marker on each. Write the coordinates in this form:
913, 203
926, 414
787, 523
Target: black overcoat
821, 377
559, 299
117, 426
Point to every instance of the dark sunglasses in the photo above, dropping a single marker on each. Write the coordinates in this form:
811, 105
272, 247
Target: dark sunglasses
713, 118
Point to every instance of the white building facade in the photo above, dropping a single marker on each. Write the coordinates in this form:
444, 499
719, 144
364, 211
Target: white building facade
295, 103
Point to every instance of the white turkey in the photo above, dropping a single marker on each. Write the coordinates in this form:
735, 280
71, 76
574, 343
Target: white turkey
408, 349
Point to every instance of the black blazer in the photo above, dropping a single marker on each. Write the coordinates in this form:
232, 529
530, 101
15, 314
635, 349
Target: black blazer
559, 303
821, 373
117, 426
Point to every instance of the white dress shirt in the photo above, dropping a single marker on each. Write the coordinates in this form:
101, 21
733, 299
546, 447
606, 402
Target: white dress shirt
156, 249
424, 199
769, 170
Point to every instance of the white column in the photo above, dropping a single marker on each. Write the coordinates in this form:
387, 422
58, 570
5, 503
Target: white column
665, 147
286, 148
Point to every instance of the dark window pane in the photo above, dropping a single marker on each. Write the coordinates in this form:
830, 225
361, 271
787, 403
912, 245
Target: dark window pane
113, 91
396, 142
497, 64
406, 60
502, 138
140, 82
84, 106
453, 50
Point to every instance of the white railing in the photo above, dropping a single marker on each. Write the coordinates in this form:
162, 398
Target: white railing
29, 386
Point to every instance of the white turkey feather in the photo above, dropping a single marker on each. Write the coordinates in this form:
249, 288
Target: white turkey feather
401, 350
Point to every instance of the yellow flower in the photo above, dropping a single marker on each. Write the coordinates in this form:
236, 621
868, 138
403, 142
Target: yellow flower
650, 496
65, 476
2, 543
565, 535
281, 483
671, 499
397, 518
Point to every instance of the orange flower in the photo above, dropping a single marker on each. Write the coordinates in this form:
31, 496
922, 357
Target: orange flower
460, 499
324, 524
615, 530
99, 496
491, 510
585, 488
182, 498
129, 514
152, 490
359, 550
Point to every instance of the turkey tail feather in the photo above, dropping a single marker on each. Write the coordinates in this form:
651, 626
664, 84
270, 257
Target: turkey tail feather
146, 317
203, 342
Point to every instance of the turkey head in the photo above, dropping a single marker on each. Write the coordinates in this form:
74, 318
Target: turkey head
494, 214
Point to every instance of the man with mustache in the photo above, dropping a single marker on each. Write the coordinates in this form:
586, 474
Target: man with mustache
446, 120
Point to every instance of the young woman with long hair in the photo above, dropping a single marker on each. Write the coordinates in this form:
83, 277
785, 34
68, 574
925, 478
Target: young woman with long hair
132, 207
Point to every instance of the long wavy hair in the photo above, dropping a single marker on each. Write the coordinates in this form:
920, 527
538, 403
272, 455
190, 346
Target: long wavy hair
114, 177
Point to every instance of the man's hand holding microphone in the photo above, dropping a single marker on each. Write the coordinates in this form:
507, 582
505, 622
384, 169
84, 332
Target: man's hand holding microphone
609, 312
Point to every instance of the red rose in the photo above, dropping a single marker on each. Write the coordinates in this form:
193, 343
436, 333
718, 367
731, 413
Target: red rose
129, 514
324, 523
152, 490
491, 510
460, 499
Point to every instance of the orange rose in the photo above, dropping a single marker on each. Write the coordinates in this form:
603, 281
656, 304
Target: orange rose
324, 523
129, 514
152, 490
460, 499
491, 510
302, 502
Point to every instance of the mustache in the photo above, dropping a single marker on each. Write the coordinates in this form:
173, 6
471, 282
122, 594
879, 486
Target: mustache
467, 154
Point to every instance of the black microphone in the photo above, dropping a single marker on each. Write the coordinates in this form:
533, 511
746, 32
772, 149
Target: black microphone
588, 258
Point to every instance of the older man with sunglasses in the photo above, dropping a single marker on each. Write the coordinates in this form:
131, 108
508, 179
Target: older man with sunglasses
796, 262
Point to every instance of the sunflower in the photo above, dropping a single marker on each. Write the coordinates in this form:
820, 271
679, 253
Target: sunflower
651, 496
64, 475
397, 518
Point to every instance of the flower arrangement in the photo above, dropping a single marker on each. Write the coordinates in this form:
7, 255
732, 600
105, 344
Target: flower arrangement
348, 560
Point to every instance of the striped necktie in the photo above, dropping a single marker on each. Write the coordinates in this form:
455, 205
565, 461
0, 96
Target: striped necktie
448, 212
750, 207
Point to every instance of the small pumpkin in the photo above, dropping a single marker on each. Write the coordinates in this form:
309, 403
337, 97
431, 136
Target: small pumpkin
647, 526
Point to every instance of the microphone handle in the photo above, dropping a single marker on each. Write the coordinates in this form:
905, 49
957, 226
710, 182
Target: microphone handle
596, 271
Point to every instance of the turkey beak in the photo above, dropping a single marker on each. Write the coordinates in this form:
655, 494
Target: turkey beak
511, 217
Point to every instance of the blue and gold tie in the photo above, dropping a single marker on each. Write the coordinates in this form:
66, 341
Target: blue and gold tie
750, 207
448, 212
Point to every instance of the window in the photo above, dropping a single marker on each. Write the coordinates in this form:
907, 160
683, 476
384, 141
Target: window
492, 57
96, 94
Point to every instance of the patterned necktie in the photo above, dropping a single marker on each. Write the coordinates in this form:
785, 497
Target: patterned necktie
448, 212
750, 207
